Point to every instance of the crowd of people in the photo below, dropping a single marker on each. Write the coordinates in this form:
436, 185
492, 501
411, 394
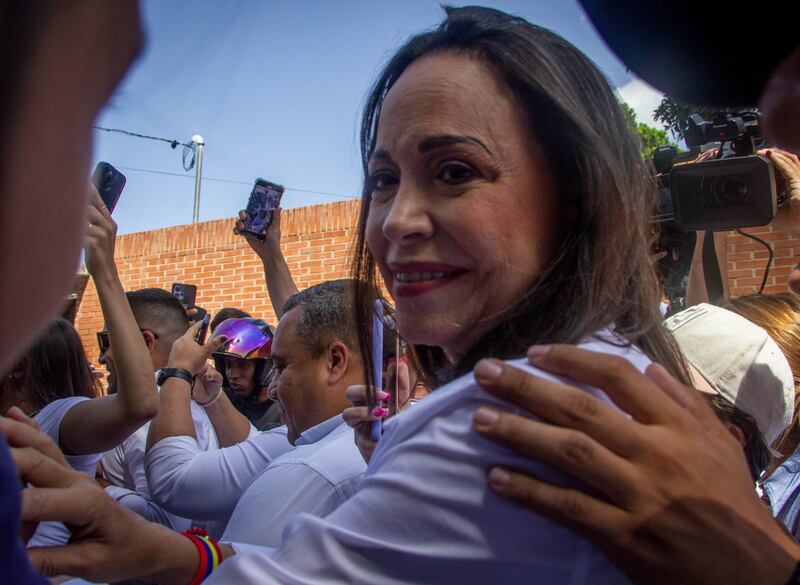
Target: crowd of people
528, 415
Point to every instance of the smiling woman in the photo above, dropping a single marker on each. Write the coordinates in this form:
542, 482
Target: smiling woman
504, 204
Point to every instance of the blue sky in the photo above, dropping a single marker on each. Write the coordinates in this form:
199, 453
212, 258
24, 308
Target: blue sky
275, 89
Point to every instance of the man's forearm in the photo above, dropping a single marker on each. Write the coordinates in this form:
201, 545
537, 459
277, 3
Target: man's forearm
280, 284
230, 425
174, 418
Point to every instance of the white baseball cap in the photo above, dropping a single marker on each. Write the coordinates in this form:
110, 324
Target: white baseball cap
740, 362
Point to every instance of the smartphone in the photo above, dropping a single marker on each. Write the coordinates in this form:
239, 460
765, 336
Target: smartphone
185, 293
109, 182
264, 200
201, 335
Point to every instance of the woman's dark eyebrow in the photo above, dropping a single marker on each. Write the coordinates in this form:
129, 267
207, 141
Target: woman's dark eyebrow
435, 142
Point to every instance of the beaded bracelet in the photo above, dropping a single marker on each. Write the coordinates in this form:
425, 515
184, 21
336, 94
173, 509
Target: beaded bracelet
210, 555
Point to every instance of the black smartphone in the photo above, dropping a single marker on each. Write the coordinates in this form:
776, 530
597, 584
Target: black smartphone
109, 182
201, 335
264, 200
185, 293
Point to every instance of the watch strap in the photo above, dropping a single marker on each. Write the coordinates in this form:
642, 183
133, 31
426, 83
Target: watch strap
165, 373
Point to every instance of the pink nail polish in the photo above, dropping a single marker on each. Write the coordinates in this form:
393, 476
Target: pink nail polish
381, 395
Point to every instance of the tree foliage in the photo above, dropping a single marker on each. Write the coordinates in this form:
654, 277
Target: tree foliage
649, 137
675, 115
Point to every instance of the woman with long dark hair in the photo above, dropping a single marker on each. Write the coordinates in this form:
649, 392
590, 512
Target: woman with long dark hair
505, 204
55, 368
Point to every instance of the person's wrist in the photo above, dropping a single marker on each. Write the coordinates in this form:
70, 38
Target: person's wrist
175, 372
174, 557
104, 273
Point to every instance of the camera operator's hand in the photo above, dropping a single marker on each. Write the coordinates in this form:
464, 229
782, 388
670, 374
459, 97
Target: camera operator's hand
187, 354
207, 385
101, 236
787, 219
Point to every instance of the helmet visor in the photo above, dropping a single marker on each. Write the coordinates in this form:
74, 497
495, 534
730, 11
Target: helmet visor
245, 339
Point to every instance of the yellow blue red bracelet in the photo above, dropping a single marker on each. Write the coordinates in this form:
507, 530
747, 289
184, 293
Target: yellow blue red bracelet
210, 555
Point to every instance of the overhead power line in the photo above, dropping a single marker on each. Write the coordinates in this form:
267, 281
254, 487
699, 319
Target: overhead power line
234, 182
188, 147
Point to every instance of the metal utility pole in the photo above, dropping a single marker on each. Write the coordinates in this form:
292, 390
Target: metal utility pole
198, 140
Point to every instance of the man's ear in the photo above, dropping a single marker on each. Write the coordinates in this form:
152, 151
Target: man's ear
149, 340
338, 360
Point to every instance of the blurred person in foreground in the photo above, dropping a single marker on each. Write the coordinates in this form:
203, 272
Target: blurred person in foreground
50, 98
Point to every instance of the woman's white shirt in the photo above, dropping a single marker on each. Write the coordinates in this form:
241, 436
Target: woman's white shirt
424, 513
49, 419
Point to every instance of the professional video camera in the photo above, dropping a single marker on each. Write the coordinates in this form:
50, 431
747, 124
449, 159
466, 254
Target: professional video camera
732, 191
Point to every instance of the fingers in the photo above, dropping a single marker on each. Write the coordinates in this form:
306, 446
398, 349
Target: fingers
687, 398
615, 375
193, 330
560, 404
577, 511
214, 343
69, 505
355, 415
42, 471
15, 413
23, 434
403, 382
654, 258
571, 452
52, 561
357, 395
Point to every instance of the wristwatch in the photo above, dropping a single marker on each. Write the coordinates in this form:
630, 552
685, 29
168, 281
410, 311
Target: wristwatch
165, 373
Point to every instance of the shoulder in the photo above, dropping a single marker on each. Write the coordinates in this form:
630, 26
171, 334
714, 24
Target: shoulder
50, 417
335, 458
447, 411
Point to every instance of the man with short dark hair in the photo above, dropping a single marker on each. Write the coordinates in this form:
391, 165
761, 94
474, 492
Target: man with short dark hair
161, 319
260, 483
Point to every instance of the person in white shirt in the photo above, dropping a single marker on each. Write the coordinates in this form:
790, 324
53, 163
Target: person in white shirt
161, 319
259, 483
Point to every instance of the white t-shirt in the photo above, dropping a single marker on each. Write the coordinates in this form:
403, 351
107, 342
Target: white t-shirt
49, 419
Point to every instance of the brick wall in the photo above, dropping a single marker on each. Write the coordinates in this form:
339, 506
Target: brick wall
316, 243
747, 260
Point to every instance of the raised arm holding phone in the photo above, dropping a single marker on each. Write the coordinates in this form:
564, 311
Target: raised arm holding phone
280, 284
101, 424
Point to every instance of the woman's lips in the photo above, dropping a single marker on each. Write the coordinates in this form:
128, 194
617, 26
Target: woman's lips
415, 278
